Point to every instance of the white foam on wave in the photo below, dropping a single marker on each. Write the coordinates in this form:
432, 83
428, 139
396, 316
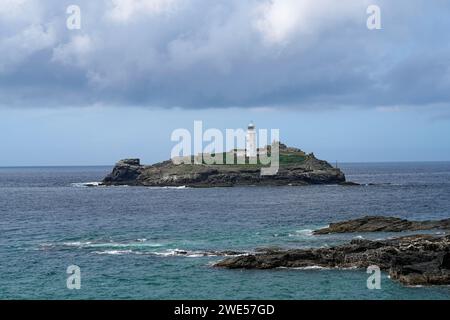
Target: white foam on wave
124, 245
138, 247
141, 243
167, 253
114, 252
184, 253
315, 267
305, 232
86, 184
76, 243
100, 184
306, 268
169, 187
95, 184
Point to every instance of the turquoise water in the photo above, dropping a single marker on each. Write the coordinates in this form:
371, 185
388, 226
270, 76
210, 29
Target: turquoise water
149, 243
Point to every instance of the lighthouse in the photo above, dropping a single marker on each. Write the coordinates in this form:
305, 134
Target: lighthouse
250, 141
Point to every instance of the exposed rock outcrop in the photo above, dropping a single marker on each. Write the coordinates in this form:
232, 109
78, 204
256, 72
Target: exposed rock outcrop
125, 172
383, 224
412, 260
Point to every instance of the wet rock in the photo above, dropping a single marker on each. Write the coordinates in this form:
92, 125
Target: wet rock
382, 224
412, 260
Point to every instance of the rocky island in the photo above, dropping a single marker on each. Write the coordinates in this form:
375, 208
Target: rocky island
295, 168
412, 260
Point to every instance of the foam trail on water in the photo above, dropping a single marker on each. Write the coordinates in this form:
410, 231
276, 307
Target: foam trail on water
86, 184
114, 252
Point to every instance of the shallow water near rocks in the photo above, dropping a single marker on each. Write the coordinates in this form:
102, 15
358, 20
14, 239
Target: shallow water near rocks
159, 243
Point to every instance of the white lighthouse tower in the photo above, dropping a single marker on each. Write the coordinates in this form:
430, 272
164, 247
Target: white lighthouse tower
250, 141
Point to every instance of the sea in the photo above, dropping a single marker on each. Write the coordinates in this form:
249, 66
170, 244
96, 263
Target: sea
159, 243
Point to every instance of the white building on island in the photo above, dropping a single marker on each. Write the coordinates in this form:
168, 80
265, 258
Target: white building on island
250, 141
250, 153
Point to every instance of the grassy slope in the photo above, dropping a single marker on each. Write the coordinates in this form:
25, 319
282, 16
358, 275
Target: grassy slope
286, 158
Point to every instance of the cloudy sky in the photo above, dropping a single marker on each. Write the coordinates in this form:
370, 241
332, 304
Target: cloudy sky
138, 69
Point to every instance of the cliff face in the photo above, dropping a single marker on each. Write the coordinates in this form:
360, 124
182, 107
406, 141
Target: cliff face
296, 168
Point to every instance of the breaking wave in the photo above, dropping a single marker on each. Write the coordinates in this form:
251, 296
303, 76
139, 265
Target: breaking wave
169, 187
165, 253
137, 247
88, 244
86, 184
305, 232
114, 252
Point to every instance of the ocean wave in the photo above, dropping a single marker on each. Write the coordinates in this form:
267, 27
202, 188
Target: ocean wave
75, 244
306, 268
140, 247
165, 253
139, 244
316, 267
86, 184
186, 253
305, 232
100, 184
95, 184
89, 244
169, 187
114, 252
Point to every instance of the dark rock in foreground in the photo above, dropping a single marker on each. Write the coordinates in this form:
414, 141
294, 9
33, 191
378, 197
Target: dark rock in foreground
383, 224
296, 168
412, 260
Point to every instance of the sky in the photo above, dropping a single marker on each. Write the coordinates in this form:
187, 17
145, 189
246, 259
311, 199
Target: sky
136, 70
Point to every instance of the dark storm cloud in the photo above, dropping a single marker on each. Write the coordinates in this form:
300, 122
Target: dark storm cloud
224, 53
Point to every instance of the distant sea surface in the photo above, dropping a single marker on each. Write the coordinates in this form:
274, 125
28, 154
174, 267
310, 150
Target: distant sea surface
149, 243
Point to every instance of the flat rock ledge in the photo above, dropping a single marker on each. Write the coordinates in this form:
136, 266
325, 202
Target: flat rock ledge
383, 224
412, 260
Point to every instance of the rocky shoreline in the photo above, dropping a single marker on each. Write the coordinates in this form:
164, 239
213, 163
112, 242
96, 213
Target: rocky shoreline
296, 168
412, 260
